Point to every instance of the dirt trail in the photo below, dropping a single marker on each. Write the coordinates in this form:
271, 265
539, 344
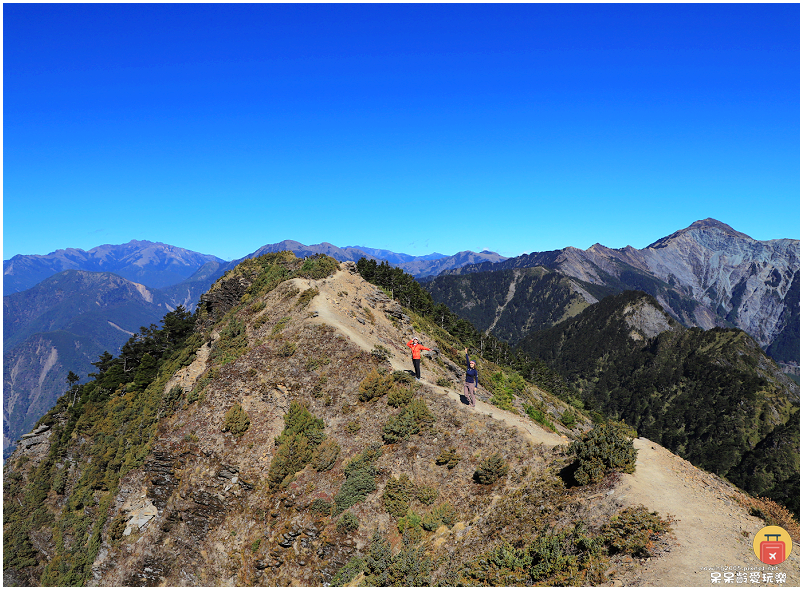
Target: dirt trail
711, 530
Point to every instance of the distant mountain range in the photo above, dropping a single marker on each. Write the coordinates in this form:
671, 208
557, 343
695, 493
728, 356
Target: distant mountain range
705, 275
418, 266
57, 317
153, 264
61, 310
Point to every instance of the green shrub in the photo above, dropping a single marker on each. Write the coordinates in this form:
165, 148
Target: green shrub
365, 459
347, 523
355, 489
378, 561
604, 448
255, 545
231, 344
399, 396
348, 571
400, 428
359, 479
353, 426
302, 434
236, 421
117, 527
410, 567
325, 455
59, 479
633, 531
298, 420
503, 389
170, 400
491, 469
414, 417
449, 457
538, 416
565, 558
293, 454
402, 378
396, 496
321, 506
410, 527
426, 495
568, 419
444, 514
374, 385
194, 394
444, 382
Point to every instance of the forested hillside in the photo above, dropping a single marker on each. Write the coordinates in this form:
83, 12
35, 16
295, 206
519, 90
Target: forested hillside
711, 396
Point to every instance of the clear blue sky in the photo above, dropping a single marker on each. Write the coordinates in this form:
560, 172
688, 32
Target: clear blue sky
416, 128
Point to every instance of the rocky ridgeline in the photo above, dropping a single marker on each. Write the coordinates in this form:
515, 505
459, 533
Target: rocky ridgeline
706, 275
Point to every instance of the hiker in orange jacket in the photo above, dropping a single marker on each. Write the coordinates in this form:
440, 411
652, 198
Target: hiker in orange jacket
416, 353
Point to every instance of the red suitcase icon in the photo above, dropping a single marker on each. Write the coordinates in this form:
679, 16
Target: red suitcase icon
773, 552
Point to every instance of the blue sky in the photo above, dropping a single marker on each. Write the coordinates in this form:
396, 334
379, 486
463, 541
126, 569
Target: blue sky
415, 128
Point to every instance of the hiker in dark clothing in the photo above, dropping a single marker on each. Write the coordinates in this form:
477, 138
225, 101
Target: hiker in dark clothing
471, 382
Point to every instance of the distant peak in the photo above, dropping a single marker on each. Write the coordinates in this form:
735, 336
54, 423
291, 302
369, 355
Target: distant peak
702, 224
709, 222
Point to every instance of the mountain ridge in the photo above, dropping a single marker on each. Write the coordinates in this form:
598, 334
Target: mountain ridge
138, 262
705, 275
154, 264
164, 483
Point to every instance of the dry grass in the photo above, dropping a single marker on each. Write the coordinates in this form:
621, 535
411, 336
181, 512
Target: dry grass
771, 512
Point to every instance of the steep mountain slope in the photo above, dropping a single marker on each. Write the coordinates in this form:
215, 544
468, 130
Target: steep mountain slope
265, 451
705, 275
35, 375
514, 302
62, 299
711, 396
150, 263
61, 325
